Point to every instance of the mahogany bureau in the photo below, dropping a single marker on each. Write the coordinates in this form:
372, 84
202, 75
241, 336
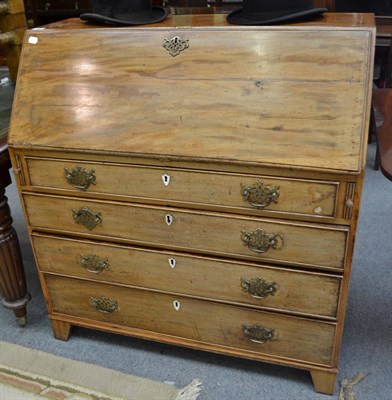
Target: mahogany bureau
197, 183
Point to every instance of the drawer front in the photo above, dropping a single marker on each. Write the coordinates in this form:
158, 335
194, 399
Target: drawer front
266, 287
224, 234
198, 320
240, 192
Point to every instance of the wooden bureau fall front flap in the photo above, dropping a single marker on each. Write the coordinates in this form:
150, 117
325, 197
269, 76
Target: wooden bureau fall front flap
197, 183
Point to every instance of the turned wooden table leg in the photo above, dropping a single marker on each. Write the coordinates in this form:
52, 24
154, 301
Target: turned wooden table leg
12, 277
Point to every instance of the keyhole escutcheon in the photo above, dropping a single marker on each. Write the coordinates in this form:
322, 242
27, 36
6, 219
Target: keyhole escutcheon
169, 219
166, 179
172, 262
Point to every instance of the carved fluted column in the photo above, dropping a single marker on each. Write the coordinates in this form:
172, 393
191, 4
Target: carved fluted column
12, 277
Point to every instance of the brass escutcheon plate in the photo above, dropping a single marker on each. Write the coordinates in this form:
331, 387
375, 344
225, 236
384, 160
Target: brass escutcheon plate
175, 45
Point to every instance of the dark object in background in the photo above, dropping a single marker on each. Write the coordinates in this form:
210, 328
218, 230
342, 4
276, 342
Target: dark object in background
124, 12
378, 7
256, 12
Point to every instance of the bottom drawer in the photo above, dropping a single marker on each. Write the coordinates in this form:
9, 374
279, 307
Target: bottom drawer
223, 325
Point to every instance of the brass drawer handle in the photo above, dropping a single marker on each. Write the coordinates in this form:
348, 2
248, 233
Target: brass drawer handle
260, 241
175, 45
87, 217
258, 287
104, 304
79, 177
94, 264
260, 195
258, 333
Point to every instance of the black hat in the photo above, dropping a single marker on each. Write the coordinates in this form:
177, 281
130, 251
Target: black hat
265, 12
124, 12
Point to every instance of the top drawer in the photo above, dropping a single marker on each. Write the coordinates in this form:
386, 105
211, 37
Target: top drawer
235, 192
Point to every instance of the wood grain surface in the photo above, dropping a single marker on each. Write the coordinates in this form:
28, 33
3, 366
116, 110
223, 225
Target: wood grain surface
244, 95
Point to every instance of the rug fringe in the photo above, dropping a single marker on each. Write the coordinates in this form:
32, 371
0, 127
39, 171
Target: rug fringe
191, 391
346, 389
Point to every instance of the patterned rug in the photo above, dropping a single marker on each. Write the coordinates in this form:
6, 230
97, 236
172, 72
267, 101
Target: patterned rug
27, 374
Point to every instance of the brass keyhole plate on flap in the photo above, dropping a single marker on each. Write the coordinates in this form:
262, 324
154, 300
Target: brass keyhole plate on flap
175, 45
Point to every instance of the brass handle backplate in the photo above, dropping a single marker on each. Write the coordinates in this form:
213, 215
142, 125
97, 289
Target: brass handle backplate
258, 333
260, 241
104, 304
94, 264
175, 45
80, 178
260, 195
258, 287
87, 217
